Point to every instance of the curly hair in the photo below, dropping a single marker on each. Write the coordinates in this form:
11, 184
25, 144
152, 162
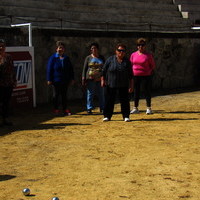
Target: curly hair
121, 45
94, 44
141, 41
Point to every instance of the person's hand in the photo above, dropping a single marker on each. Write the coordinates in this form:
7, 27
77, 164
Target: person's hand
130, 90
49, 82
103, 82
83, 82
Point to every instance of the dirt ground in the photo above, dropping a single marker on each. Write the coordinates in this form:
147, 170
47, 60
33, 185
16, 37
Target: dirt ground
79, 157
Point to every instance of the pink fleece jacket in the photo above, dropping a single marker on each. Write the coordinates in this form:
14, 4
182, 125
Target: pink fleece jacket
142, 64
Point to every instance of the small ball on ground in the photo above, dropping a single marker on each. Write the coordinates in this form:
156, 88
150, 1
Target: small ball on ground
26, 191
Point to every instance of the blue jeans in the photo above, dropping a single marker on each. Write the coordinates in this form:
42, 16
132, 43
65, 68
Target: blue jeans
92, 87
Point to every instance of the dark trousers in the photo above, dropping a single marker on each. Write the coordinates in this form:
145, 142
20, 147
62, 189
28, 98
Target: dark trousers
110, 96
147, 81
60, 91
5, 97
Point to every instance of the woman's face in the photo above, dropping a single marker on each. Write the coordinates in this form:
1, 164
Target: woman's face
94, 50
141, 47
120, 52
60, 50
2, 48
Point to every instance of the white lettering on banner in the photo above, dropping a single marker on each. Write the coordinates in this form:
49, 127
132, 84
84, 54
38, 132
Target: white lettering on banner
23, 73
18, 93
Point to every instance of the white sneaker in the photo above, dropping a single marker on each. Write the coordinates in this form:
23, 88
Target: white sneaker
106, 119
126, 119
135, 111
149, 111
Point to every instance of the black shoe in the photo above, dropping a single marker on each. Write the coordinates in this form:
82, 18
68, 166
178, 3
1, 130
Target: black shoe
89, 112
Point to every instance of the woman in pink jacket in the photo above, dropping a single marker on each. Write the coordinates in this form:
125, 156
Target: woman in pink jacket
142, 65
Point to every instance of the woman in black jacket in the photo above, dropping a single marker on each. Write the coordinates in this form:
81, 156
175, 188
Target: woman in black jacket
117, 77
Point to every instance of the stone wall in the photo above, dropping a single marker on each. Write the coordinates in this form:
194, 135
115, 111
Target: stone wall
176, 55
112, 15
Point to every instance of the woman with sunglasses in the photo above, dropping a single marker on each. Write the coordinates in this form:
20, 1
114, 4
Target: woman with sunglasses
142, 65
117, 77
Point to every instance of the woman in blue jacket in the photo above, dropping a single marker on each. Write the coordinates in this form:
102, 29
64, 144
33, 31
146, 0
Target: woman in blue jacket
60, 74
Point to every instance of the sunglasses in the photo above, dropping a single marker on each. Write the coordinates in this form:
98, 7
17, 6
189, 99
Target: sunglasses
142, 45
121, 50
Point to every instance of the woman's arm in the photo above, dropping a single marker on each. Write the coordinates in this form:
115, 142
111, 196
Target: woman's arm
84, 72
104, 72
50, 70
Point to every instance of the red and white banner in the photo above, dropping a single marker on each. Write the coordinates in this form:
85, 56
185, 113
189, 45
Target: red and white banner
23, 59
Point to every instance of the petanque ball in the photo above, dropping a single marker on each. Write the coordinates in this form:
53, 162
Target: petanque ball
26, 191
55, 198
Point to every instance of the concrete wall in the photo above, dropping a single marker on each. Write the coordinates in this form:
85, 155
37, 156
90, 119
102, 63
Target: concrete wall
118, 15
189, 9
176, 55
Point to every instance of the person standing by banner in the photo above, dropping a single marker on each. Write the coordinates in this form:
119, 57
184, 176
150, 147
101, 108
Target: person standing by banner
7, 82
60, 74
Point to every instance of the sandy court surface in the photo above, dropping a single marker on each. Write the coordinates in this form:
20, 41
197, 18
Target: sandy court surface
79, 157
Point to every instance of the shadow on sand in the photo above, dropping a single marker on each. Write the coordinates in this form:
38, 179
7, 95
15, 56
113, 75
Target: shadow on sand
32, 118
